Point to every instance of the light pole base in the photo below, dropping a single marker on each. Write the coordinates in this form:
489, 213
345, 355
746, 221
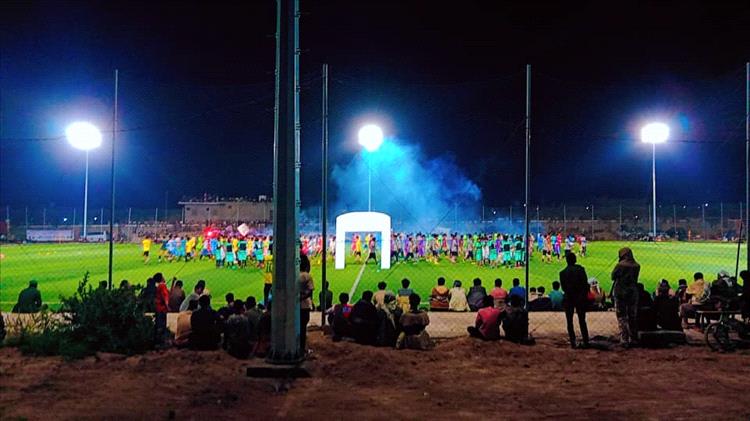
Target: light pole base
259, 368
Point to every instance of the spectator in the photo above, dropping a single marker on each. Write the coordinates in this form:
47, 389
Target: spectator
745, 275
542, 302
161, 307
364, 319
597, 297
487, 324
263, 344
516, 321
532, 294
182, 331
176, 295
338, 318
681, 292
325, 297
625, 278
237, 332
440, 296
306, 288
204, 322
29, 300
499, 294
458, 300
388, 316
198, 290
403, 294
147, 296
556, 296
646, 316
124, 284
724, 293
253, 314
414, 324
476, 295
380, 295
696, 294
518, 289
227, 310
667, 308
575, 299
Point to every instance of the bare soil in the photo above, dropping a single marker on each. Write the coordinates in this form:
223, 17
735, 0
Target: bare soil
460, 378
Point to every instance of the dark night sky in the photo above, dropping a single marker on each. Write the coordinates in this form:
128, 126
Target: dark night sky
196, 94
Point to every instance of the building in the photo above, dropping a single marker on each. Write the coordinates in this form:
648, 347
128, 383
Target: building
231, 210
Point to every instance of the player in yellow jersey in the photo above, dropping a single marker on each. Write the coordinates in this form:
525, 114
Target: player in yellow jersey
267, 276
146, 249
189, 246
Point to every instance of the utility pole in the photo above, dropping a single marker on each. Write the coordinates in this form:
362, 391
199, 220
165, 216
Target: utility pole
592, 222
74, 217
674, 221
747, 163
324, 195
285, 330
112, 187
721, 220
528, 181
130, 210
166, 211
619, 227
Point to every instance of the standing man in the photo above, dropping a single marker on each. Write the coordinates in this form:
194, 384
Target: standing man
162, 308
575, 286
625, 292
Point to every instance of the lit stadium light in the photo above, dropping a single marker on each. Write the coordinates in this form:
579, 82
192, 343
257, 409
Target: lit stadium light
370, 137
83, 136
655, 133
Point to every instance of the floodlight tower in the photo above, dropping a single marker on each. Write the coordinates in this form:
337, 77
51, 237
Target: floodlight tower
84, 136
654, 133
371, 138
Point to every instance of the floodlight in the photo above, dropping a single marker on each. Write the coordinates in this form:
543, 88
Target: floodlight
370, 137
655, 133
84, 136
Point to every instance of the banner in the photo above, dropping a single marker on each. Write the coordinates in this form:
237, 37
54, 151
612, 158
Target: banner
49, 235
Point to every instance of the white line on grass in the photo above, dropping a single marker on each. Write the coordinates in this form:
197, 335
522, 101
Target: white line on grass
356, 282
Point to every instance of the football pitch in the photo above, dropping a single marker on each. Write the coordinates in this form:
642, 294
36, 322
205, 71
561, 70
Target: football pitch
59, 267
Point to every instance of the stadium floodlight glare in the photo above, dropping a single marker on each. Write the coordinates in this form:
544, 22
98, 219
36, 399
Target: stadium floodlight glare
655, 133
370, 137
83, 136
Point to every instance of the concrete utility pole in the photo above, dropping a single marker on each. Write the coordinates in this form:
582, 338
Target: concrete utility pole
285, 346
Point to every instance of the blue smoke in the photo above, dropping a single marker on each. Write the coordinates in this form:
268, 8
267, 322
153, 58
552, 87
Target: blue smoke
419, 193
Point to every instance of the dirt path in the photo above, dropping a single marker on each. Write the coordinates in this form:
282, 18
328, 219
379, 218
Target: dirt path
461, 378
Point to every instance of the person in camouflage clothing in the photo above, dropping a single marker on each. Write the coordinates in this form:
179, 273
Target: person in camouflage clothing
625, 293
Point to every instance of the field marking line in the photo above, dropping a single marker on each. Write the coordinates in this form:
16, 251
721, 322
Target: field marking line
356, 281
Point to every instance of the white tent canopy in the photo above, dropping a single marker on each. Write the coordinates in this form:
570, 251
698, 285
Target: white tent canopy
363, 222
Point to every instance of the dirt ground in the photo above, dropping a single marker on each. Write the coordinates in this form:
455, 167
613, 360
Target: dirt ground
460, 378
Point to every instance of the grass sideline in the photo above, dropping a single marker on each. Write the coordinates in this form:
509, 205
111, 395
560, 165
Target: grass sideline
59, 267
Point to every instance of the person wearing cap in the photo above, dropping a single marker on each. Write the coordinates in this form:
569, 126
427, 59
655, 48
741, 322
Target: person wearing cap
625, 292
29, 300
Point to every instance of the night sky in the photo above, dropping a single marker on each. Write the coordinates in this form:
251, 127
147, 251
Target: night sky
196, 95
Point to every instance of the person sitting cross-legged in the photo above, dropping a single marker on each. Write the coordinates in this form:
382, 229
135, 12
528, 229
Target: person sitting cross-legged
339, 318
487, 324
205, 334
403, 294
499, 294
364, 319
237, 331
542, 302
476, 295
183, 329
667, 308
556, 296
440, 296
29, 300
458, 300
516, 321
414, 324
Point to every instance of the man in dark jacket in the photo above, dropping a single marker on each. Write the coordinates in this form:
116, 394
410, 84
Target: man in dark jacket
29, 300
204, 322
575, 286
476, 295
625, 292
364, 319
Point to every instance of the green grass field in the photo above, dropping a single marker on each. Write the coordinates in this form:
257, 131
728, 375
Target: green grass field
59, 267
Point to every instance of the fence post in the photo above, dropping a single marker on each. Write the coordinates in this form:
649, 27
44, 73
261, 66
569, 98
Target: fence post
74, 216
592, 222
156, 215
703, 221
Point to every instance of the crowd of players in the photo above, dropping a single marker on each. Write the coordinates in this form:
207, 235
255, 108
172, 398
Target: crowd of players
492, 250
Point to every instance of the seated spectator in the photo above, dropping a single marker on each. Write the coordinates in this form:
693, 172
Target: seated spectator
388, 317
403, 294
124, 284
414, 324
597, 296
364, 319
724, 293
518, 290
458, 300
325, 301
440, 296
227, 310
556, 296
29, 300
338, 318
147, 296
237, 331
176, 295
542, 303
253, 314
666, 308
516, 320
532, 294
745, 275
499, 294
382, 292
487, 324
198, 291
646, 315
681, 292
205, 334
696, 294
476, 295
263, 344
183, 328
